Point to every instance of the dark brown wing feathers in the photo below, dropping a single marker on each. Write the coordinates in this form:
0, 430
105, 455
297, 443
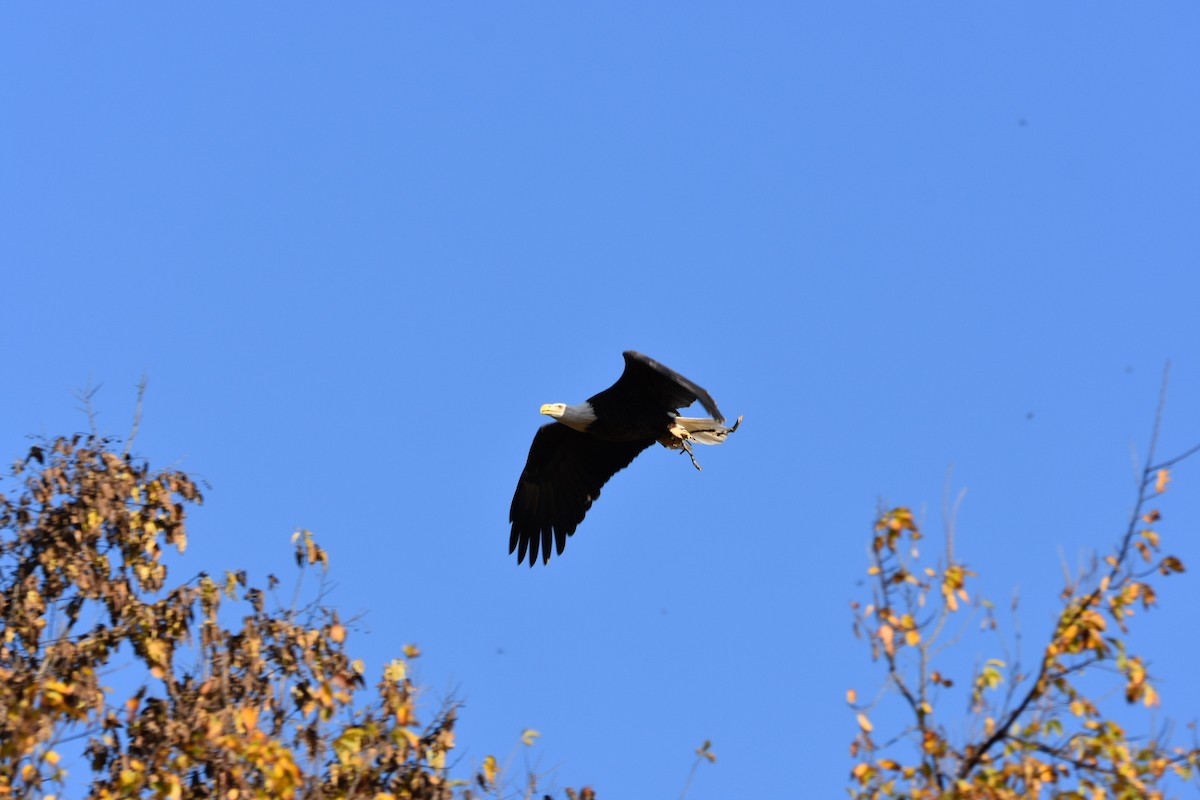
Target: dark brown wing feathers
650, 382
563, 476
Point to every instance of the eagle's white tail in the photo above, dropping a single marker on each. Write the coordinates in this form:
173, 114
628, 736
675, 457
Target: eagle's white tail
702, 431
685, 430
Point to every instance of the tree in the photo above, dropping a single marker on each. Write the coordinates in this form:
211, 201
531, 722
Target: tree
1032, 731
264, 708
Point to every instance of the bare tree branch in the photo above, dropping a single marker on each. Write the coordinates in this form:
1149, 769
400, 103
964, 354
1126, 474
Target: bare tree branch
137, 414
85, 396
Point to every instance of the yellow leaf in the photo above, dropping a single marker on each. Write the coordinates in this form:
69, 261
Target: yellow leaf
337, 632
231, 583
528, 736
1160, 483
409, 735
127, 779
396, 670
913, 638
864, 723
851, 695
411, 651
349, 744
490, 768
248, 717
157, 651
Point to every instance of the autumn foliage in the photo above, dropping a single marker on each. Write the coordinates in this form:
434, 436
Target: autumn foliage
234, 695
236, 700
1040, 730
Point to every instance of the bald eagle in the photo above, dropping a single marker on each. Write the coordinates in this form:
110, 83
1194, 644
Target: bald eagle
588, 443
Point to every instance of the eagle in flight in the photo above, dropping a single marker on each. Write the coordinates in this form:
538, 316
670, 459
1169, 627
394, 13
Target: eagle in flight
574, 456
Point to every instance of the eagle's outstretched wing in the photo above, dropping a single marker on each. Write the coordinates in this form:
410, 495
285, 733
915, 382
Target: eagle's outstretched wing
561, 479
647, 382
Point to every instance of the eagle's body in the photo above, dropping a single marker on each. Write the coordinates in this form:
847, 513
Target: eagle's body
572, 458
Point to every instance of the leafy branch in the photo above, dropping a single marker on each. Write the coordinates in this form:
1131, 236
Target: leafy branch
234, 697
1046, 731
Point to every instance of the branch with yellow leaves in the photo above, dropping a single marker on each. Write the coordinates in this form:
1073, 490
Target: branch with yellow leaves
1080, 627
1045, 732
231, 698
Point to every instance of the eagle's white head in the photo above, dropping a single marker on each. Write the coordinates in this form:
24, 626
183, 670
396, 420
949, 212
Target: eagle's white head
578, 417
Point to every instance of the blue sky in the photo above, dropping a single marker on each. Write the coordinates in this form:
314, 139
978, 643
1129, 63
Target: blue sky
354, 249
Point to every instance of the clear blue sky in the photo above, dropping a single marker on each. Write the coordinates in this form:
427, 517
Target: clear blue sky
355, 248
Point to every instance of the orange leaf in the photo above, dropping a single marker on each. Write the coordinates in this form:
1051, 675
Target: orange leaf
1170, 564
887, 635
1164, 477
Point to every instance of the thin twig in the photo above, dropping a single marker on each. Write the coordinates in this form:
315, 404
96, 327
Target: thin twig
691, 774
137, 414
1170, 462
84, 396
